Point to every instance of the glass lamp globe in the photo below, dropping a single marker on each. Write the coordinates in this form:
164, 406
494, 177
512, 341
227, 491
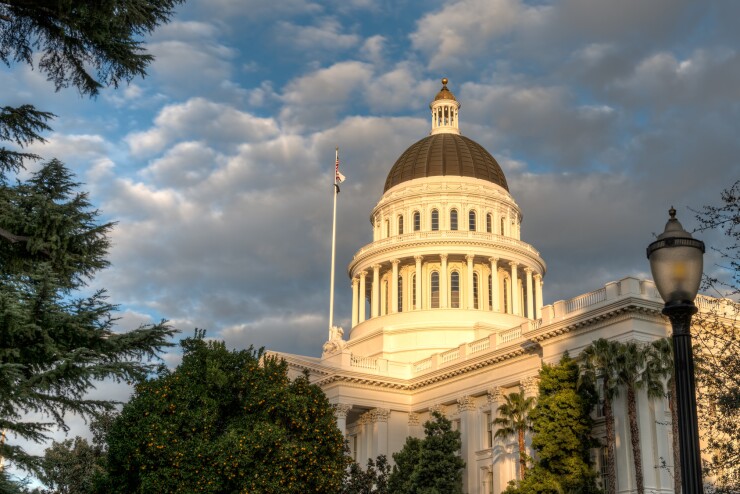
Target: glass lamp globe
676, 261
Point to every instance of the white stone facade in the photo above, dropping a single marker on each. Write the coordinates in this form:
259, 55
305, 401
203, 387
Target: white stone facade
448, 315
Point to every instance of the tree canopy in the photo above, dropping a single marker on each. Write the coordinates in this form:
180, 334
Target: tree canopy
83, 44
561, 425
222, 422
431, 465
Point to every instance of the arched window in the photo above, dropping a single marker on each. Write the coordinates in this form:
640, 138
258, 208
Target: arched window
417, 221
490, 292
488, 222
453, 219
475, 290
387, 228
503, 223
386, 296
471, 221
413, 290
506, 296
435, 290
400, 224
455, 290
400, 293
435, 220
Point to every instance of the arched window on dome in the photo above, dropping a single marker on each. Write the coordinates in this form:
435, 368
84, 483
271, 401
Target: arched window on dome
490, 292
506, 296
435, 220
455, 290
400, 224
476, 291
503, 224
489, 222
387, 228
400, 293
472, 226
386, 295
453, 219
435, 290
417, 221
413, 290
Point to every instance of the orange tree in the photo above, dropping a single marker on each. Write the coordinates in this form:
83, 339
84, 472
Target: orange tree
225, 421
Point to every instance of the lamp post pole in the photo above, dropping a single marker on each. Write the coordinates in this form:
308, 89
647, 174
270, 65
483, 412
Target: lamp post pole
676, 263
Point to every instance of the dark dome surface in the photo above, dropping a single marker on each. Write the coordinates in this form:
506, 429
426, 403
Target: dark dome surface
445, 155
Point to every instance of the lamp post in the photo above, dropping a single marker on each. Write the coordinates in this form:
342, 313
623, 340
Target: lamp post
676, 263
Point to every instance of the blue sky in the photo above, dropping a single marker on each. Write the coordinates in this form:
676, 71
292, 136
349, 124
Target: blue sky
217, 166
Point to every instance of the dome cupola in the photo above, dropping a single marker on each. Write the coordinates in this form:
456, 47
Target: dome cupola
445, 109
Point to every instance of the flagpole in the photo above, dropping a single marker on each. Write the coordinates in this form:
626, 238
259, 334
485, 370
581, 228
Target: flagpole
333, 248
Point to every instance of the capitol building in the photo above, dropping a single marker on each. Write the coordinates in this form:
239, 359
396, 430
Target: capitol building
448, 315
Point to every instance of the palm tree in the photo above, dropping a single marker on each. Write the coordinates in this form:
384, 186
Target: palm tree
513, 420
630, 364
660, 365
600, 359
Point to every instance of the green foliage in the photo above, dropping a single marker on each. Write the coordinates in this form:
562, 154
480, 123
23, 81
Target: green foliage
225, 421
431, 465
54, 344
514, 420
72, 466
75, 37
372, 480
562, 424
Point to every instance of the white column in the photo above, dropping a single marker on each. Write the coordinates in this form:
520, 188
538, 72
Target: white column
498, 449
418, 281
355, 298
363, 295
394, 286
494, 284
530, 302
514, 289
375, 298
470, 297
340, 412
470, 434
379, 418
538, 296
530, 385
443, 276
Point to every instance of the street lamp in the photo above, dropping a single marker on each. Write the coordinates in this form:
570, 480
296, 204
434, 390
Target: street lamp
676, 262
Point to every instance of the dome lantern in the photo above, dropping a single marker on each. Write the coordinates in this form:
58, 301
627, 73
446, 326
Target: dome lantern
445, 110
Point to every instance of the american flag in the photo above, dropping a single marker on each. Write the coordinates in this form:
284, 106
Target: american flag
338, 177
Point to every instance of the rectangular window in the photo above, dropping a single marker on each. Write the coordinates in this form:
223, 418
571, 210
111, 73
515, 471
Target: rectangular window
475, 290
417, 221
455, 290
435, 290
488, 223
489, 431
435, 220
400, 225
603, 472
490, 292
413, 290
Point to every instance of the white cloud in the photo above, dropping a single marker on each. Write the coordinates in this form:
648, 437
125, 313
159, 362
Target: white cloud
198, 118
321, 39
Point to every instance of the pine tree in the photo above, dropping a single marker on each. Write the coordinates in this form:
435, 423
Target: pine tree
55, 343
431, 465
561, 425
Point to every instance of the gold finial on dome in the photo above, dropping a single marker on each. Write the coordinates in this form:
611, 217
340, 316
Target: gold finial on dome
444, 93
445, 81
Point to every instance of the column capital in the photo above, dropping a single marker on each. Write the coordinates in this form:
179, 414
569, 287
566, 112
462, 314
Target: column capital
537, 277
395, 262
494, 260
341, 410
466, 404
495, 395
513, 264
528, 270
443, 256
379, 414
413, 419
530, 385
376, 267
469, 257
437, 408
355, 281
418, 258
363, 274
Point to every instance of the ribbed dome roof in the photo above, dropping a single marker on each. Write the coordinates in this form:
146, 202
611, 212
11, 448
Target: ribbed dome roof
445, 155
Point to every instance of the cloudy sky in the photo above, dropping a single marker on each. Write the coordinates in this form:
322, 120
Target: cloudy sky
217, 166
